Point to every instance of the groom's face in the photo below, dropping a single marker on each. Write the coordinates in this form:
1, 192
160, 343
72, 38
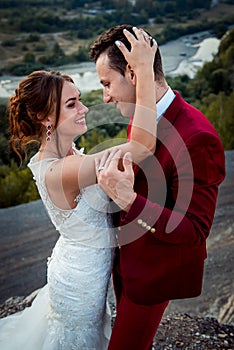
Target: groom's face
117, 88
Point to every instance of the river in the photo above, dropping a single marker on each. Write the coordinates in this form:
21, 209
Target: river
182, 56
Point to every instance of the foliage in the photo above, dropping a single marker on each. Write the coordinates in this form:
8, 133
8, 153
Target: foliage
219, 109
8, 43
96, 140
92, 98
4, 133
81, 55
33, 37
211, 90
86, 19
16, 186
180, 83
23, 68
56, 58
4, 150
29, 57
154, 8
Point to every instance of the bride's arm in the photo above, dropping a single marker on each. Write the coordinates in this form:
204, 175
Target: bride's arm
140, 63
79, 171
143, 132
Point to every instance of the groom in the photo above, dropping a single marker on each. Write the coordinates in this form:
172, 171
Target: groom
163, 230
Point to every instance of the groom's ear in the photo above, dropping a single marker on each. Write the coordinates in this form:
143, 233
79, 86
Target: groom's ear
131, 74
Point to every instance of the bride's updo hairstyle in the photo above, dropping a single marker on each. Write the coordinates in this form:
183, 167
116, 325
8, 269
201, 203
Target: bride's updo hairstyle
38, 95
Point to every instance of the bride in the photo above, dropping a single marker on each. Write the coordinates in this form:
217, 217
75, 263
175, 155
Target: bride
71, 311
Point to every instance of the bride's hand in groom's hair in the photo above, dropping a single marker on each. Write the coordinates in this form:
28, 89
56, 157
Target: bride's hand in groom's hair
143, 49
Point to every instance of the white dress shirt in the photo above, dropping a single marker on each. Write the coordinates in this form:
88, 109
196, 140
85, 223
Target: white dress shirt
164, 103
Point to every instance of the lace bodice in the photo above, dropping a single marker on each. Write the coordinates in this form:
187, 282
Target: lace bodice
91, 212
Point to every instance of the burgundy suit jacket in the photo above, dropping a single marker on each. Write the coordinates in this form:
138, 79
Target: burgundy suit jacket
163, 236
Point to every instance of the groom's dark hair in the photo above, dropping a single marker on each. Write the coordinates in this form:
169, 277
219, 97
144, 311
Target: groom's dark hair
106, 43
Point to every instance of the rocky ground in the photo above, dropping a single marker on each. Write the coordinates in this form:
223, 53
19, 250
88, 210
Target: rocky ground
177, 331
186, 332
206, 322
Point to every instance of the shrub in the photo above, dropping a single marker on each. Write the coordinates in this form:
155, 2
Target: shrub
16, 186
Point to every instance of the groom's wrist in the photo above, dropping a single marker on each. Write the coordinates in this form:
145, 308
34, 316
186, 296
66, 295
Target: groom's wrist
126, 203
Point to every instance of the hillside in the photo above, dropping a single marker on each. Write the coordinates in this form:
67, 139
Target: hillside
41, 34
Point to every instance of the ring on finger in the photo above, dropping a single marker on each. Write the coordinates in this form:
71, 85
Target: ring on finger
100, 168
147, 38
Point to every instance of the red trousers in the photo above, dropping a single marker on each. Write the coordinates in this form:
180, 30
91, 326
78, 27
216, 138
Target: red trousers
135, 325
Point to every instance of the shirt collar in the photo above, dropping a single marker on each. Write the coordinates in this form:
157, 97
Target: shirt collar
164, 103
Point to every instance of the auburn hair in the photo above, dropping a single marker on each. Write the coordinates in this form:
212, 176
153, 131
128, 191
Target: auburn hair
37, 96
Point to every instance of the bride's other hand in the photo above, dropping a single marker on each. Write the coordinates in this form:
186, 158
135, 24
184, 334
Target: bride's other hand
143, 49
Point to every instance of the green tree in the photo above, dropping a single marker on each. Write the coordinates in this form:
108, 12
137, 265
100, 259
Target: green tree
82, 54
16, 186
92, 140
29, 58
227, 41
58, 52
219, 81
4, 150
219, 109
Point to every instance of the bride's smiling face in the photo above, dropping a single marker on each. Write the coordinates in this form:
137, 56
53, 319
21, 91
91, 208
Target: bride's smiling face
72, 118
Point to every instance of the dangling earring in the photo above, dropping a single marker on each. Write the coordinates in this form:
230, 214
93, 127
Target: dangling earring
48, 132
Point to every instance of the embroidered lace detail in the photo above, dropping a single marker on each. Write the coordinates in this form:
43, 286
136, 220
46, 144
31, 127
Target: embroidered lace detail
78, 270
57, 215
78, 317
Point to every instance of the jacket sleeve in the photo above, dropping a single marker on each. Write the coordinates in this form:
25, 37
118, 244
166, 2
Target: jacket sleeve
188, 221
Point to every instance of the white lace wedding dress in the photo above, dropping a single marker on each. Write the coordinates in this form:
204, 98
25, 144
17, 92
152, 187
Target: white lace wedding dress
71, 311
